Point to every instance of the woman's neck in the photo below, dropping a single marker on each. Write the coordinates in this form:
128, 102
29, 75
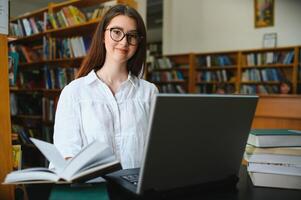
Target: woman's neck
113, 72
113, 75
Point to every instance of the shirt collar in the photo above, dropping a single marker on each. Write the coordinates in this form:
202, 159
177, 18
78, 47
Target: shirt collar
91, 77
132, 79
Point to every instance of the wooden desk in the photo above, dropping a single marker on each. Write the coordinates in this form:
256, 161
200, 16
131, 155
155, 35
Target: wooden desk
278, 111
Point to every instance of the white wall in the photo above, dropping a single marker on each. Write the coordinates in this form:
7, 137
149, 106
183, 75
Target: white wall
20, 7
141, 8
220, 25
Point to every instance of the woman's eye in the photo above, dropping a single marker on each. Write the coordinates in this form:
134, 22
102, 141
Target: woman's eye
117, 32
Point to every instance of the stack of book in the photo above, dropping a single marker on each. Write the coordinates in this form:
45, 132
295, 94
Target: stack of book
274, 158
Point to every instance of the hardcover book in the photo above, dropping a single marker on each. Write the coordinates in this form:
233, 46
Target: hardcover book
274, 138
293, 151
92, 161
275, 180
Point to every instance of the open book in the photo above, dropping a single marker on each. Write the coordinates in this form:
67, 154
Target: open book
94, 160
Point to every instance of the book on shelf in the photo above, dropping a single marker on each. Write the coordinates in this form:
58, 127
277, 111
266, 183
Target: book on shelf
23, 134
269, 57
17, 157
70, 47
26, 27
92, 161
274, 138
98, 12
52, 20
259, 89
208, 61
72, 15
24, 137
49, 105
163, 63
180, 89
13, 62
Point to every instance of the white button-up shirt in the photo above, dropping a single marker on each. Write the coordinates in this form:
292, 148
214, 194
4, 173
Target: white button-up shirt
87, 110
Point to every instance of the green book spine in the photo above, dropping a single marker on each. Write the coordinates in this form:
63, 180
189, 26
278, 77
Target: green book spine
259, 132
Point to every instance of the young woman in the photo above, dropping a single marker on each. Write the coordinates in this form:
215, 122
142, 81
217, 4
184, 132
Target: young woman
108, 101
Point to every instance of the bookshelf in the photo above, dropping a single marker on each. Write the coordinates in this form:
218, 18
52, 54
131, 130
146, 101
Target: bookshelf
51, 43
171, 73
299, 69
6, 192
251, 71
262, 70
154, 51
214, 69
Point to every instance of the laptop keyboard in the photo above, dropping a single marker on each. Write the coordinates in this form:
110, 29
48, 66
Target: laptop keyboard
132, 178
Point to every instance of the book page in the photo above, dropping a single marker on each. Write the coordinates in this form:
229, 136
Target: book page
97, 162
31, 175
51, 153
95, 152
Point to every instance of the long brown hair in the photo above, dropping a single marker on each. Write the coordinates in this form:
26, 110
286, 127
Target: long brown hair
97, 53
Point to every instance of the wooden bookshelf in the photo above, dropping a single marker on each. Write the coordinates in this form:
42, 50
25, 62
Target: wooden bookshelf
298, 69
214, 68
30, 117
62, 62
28, 39
6, 165
268, 65
46, 68
171, 73
79, 29
208, 70
40, 90
54, 7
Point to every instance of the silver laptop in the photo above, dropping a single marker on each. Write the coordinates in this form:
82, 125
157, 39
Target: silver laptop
192, 140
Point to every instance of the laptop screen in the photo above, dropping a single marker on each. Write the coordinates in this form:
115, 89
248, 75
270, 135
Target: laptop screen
195, 139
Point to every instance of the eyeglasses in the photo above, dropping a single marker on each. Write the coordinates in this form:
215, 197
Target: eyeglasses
117, 35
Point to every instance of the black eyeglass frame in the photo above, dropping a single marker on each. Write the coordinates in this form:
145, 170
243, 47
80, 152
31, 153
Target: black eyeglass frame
124, 34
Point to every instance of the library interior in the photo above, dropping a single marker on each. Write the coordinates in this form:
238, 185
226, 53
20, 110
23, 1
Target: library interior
193, 48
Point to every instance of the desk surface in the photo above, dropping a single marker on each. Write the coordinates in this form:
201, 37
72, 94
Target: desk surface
245, 191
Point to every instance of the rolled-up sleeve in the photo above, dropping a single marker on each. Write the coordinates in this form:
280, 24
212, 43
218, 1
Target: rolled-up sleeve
67, 136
